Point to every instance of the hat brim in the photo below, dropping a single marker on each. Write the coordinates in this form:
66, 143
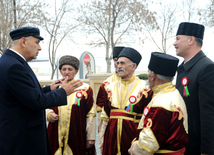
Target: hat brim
39, 37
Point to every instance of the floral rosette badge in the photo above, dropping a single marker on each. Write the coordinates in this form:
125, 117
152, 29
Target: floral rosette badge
79, 96
146, 111
132, 99
185, 82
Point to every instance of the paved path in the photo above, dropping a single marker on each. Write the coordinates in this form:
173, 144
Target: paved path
97, 140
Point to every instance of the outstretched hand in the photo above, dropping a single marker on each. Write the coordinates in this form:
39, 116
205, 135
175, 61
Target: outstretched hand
55, 84
71, 87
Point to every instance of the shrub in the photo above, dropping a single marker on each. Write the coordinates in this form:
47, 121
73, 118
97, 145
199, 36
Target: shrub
143, 76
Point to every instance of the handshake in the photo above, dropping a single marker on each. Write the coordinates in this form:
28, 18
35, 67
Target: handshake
68, 87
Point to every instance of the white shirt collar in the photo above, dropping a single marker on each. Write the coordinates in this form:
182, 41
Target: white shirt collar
188, 60
17, 53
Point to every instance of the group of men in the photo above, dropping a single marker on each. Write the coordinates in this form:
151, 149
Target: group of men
133, 118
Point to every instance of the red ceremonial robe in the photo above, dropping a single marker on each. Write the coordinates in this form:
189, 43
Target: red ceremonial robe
164, 125
102, 92
73, 136
122, 124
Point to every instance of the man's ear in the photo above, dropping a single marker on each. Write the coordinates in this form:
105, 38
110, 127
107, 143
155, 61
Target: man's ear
153, 76
76, 72
134, 66
191, 40
23, 42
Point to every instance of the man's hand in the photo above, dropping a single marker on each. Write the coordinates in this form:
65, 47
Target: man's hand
71, 87
55, 84
89, 143
53, 117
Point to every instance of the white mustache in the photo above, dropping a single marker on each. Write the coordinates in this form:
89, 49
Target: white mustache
121, 69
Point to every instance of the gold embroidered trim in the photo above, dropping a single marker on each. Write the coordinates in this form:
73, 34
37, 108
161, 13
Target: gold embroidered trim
119, 133
91, 115
166, 88
122, 117
49, 115
149, 123
99, 108
167, 151
137, 121
146, 148
133, 141
105, 119
124, 111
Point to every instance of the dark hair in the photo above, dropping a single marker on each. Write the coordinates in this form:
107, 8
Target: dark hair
199, 41
88, 63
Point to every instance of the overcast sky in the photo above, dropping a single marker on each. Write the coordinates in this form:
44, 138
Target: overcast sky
75, 49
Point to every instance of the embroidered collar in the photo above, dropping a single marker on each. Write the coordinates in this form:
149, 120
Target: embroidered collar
117, 76
128, 81
163, 88
71, 80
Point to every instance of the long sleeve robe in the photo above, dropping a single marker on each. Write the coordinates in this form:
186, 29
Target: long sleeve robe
75, 126
118, 127
164, 125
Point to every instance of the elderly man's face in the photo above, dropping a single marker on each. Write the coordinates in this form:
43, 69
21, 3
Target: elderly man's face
125, 68
32, 47
68, 70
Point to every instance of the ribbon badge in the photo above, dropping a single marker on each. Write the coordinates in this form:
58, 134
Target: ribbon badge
78, 97
132, 99
146, 111
185, 82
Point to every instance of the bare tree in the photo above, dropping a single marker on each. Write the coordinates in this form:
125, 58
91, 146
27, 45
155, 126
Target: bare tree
26, 12
111, 21
190, 9
162, 28
58, 25
206, 13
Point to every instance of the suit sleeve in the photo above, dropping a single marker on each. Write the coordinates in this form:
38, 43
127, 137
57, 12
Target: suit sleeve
206, 103
24, 89
46, 89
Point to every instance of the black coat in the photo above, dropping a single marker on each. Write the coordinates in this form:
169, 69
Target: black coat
200, 104
22, 103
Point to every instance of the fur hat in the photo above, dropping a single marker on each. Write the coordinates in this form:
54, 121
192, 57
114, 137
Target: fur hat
163, 64
117, 50
131, 54
69, 60
191, 29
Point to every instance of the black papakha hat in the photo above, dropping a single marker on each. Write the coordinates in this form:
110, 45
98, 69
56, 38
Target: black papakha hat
25, 32
117, 50
163, 64
191, 29
131, 54
69, 60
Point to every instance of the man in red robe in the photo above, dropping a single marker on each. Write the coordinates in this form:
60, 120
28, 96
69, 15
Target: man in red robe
123, 106
72, 128
164, 124
101, 93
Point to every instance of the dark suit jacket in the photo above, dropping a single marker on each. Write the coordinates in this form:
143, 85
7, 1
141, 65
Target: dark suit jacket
22, 103
200, 104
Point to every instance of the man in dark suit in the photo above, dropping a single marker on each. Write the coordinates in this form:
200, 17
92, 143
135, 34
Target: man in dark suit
195, 82
22, 100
